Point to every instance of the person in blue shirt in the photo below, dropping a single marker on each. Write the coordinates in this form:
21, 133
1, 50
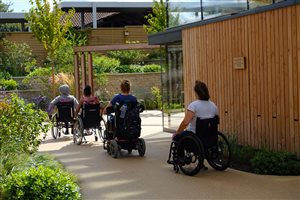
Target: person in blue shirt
124, 97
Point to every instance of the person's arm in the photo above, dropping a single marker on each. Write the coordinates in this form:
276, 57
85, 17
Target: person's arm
78, 107
185, 122
52, 104
105, 109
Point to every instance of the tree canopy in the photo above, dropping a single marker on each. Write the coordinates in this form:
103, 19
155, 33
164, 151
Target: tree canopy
158, 19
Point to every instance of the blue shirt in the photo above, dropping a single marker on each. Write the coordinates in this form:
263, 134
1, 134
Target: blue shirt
122, 99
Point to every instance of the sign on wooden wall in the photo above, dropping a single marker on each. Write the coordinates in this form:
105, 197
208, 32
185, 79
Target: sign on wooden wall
239, 62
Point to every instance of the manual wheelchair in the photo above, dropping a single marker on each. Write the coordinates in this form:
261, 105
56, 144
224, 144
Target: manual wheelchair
89, 122
122, 134
62, 120
189, 151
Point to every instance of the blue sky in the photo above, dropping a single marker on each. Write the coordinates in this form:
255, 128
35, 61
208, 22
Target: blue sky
24, 5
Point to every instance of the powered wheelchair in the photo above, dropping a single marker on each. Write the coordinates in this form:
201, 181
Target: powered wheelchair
89, 122
123, 132
188, 151
62, 120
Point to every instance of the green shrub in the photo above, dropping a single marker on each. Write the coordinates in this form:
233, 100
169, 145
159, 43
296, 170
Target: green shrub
130, 57
275, 163
20, 128
151, 68
105, 64
8, 84
15, 57
41, 183
5, 75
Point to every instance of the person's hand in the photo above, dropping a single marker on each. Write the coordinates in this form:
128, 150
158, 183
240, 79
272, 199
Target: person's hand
174, 135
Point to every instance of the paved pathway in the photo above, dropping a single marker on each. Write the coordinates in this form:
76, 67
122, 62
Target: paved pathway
150, 177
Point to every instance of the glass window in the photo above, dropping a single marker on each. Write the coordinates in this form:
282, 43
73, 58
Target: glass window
183, 12
172, 88
258, 3
186, 11
213, 8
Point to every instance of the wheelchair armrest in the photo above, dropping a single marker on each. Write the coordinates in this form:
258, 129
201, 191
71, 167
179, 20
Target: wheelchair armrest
141, 108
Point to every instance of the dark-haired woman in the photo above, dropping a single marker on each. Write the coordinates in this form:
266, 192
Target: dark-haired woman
202, 107
87, 98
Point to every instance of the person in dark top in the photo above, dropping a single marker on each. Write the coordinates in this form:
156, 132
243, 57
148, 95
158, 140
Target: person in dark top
87, 98
124, 97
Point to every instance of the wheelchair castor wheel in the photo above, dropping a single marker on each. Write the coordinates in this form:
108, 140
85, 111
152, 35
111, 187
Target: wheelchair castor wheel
176, 168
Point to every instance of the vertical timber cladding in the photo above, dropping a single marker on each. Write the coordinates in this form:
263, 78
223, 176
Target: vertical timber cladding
252, 67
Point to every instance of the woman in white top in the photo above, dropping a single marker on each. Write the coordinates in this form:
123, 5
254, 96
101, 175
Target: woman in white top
202, 107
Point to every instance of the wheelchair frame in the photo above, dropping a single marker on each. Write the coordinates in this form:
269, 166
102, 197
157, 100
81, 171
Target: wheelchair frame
64, 114
112, 143
189, 152
87, 123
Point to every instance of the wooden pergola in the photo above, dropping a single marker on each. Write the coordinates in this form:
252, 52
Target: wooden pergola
83, 59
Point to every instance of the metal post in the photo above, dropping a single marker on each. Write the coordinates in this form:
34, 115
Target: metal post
82, 20
94, 16
201, 7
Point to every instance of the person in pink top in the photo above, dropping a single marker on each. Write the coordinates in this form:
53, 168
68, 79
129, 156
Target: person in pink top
87, 98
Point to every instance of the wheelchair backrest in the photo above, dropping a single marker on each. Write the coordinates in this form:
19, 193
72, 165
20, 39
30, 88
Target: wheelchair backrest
90, 115
65, 111
128, 126
207, 130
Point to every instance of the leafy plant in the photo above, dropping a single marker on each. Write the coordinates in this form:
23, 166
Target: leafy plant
20, 127
104, 64
15, 58
158, 20
128, 57
8, 84
49, 26
275, 163
41, 183
151, 68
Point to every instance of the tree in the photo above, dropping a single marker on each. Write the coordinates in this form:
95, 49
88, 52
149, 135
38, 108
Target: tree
158, 19
5, 7
49, 27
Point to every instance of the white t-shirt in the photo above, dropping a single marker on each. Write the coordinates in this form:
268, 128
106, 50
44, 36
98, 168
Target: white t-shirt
202, 109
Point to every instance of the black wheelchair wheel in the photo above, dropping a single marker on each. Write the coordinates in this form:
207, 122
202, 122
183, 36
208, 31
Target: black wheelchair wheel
78, 131
102, 130
114, 149
55, 127
219, 156
141, 147
190, 155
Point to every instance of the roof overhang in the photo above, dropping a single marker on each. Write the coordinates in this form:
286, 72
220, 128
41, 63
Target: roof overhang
115, 6
114, 47
10, 17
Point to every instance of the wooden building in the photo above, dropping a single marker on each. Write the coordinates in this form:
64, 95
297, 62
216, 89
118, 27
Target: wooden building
251, 63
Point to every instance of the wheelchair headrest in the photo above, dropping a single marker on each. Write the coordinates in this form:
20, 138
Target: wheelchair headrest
87, 106
65, 104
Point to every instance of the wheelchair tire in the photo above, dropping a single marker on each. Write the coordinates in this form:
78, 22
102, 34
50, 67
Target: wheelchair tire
54, 128
141, 146
102, 130
114, 149
78, 131
190, 155
219, 157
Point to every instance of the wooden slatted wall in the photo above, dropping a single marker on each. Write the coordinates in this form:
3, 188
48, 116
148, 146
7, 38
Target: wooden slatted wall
36, 47
260, 104
99, 36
